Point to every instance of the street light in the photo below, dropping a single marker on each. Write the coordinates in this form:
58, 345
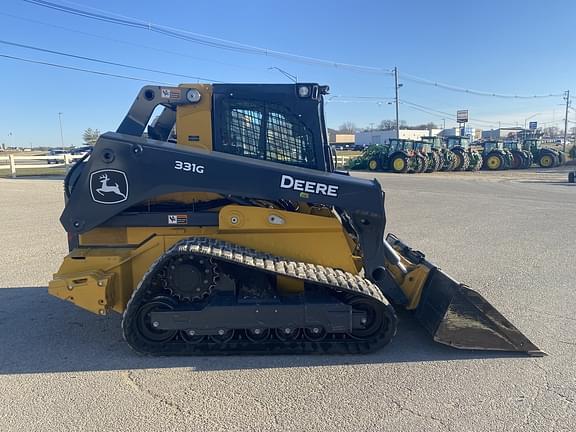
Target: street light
61, 134
286, 74
525, 120
528, 118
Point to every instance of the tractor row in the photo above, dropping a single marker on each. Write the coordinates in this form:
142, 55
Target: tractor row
454, 153
427, 155
520, 155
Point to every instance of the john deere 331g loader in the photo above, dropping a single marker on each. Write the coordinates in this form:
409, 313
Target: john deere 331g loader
223, 228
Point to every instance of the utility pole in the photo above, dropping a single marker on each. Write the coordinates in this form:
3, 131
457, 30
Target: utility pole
566, 119
61, 134
396, 86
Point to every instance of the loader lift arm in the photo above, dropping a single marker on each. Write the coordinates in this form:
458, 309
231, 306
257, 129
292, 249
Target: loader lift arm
361, 201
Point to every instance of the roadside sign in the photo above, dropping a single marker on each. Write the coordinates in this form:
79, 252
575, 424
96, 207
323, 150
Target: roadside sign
533, 125
462, 116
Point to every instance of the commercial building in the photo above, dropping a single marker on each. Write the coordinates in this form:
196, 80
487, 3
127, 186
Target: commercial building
382, 136
501, 133
340, 139
473, 133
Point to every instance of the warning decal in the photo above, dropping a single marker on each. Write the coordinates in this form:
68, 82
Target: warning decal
178, 219
171, 93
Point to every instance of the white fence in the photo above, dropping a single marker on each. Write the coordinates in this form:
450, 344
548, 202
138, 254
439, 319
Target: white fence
341, 160
13, 163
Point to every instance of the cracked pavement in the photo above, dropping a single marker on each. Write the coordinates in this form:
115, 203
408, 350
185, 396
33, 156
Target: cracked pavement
508, 235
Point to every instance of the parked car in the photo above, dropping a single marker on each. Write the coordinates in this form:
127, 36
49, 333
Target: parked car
56, 152
81, 150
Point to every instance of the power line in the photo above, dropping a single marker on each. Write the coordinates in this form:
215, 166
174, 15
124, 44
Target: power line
108, 17
203, 39
83, 70
472, 120
450, 87
451, 115
60, 53
438, 113
147, 47
444, 113
430, 112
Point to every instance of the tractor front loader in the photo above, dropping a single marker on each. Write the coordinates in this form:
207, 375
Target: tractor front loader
223, 228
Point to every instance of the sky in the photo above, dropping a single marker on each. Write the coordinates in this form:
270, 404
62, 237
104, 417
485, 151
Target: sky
504, 47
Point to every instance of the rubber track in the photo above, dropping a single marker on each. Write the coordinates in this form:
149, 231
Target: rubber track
219, 250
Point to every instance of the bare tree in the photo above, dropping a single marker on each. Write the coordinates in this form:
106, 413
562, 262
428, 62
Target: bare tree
387, 125
347, 127
551, 131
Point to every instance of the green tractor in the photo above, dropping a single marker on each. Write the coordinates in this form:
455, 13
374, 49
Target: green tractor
522, 159
397, 156
496, 157
406, 149
373, 158
403, 157
444, 157
448, 158
433, 161
465, 158
543, 156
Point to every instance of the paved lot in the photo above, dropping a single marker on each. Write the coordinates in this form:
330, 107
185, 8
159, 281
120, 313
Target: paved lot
511, 236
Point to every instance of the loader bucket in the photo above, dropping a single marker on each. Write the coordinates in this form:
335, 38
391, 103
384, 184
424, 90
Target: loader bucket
460, 317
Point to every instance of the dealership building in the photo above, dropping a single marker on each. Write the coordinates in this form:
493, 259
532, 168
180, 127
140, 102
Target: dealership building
382, 136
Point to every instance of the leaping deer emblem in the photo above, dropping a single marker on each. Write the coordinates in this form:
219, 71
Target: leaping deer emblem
105, 187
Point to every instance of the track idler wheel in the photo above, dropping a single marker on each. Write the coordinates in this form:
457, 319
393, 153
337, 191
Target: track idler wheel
146, 328
374, 320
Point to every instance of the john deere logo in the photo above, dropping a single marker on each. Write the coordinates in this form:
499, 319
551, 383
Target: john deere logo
109, 186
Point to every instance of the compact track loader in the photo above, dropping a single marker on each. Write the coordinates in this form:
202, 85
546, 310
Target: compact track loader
223, 228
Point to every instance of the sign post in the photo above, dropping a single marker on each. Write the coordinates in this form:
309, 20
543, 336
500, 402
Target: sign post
462, 117
533, 126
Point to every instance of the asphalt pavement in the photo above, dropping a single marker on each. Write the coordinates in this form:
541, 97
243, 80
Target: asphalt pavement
510, 236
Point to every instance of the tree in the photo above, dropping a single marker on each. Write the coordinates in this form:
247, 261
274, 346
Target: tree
90, 136
387, 125
551, 131
347, 127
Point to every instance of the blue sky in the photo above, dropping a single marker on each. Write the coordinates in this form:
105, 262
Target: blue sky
510, 47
